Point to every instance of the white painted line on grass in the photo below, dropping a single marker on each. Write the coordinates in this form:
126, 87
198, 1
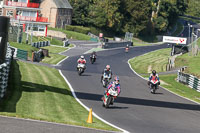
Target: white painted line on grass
160, 85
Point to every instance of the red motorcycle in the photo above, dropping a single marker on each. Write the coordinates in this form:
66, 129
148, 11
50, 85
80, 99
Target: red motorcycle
109, 97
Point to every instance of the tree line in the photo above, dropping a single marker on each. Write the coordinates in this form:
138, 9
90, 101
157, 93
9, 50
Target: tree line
136, 16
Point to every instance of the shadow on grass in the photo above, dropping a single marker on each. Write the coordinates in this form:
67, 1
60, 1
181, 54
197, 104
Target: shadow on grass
16, 87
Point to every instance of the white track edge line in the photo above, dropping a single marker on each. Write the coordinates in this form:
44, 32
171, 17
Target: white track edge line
160, 85
94, 114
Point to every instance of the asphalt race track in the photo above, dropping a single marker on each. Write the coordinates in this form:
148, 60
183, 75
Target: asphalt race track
136, 109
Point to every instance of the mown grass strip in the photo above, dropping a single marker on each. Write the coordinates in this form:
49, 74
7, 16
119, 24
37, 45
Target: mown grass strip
179, 88
192, 63
156, 60
72, 34
40, 93
54, 56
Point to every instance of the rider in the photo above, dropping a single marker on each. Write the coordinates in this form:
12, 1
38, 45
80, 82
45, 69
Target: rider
81, 60
153, 76
93, 53
127, 46
106, 71
115, 84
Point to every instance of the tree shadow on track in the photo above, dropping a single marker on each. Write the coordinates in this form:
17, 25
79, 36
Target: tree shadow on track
142, 102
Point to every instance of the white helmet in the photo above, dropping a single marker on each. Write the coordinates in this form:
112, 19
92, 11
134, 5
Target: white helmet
82, 57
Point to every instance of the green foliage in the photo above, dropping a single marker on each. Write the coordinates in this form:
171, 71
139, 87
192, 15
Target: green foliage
79, 29
193, 9
120, 16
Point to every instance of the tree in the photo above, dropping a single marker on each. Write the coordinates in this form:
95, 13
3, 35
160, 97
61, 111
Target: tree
106, 14
80, 11
137, 15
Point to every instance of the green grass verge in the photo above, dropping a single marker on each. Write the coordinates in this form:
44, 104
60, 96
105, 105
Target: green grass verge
192, 63
40, 93
141, 64
156, 60
72, 34
54, 57
179, 88
24, 46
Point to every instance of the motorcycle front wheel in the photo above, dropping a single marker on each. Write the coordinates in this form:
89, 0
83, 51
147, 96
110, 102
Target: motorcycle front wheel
108, 102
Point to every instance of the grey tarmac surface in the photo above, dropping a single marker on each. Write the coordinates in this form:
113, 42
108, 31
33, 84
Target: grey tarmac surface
13, 125
136, 109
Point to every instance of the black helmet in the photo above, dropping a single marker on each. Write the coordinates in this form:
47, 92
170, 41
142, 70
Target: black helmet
154, 72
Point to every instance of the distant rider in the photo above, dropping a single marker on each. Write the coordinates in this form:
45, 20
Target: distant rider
93, 53
81, 60
153, 76
127, 46
106, 71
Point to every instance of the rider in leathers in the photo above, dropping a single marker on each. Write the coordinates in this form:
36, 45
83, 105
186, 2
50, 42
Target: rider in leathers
106, 71
81, 60
115, 84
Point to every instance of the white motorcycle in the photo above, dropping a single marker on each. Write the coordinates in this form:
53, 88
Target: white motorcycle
109, 97
154, 85
80, 68
105, 80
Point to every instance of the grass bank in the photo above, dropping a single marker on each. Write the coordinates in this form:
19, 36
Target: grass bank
40, 93
155, 60
72, 34
54, 56
192, 63
142, 65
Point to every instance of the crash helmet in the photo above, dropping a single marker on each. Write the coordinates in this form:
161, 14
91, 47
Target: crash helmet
82, 57
116, 80
154, 72
127, 45
107, 67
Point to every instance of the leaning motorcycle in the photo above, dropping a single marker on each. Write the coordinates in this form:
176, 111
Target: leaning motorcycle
105, 80
154, 84
80, 68
109, 97
92, 58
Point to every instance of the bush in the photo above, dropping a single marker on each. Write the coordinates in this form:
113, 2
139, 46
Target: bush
79, 29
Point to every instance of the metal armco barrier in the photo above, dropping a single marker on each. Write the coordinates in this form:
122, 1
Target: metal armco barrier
107, 45
4, 25
4, 72
190, 80
40, 44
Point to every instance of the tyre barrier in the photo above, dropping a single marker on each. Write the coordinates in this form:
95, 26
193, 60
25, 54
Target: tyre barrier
4, 72
189, 80
40, 44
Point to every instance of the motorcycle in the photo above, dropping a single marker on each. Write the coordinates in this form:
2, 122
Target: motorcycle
92, 58
109, 97
80, 68
105, 80
154, 84
126, 49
